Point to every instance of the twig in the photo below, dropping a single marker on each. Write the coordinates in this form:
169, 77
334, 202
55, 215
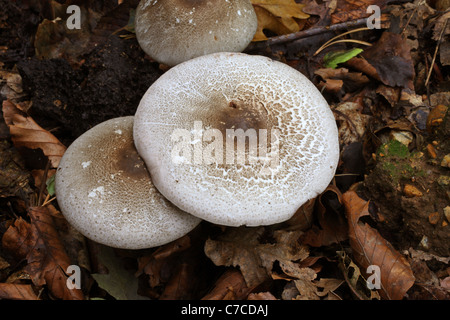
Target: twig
412, 15
435, 53
47, 201
305, 34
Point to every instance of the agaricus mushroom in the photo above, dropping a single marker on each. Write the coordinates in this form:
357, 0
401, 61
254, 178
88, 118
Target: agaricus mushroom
104, 190
173, 31
286, 153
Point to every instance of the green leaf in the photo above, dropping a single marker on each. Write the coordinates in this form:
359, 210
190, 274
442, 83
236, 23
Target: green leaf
51, 185
332, 59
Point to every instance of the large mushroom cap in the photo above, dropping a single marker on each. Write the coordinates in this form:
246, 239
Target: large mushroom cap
181, 133
104, 190
173, 31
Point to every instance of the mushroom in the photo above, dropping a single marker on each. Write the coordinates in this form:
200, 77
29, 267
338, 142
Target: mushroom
104, 191
237, 139
173, 31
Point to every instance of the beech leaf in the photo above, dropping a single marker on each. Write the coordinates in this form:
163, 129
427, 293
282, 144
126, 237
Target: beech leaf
40, 244
241, 247
12, 291
278, 16
25, 132
118, 282
370, 248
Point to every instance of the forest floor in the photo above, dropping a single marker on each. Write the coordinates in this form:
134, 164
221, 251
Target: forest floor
386, 212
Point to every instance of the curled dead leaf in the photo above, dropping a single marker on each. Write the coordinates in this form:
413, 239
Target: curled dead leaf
278, 16
25, 132
39, 242
242, 247
370, 248
230, 286
12, 291
332, 226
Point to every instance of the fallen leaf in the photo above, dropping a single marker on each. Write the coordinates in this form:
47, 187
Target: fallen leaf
242, 247
439, 26
305, 285
332, 226
352, 123
25, 132
369, 248
12, 291
348, 81
261, 296
347, 10
47, 259
321, 9
278, 16
53, 39
333, 58
355, 280
14, 178
118, 282
230, 286
158, 265
267, 21
391, 57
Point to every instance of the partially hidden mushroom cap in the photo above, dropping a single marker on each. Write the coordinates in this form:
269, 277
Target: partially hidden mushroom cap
104, 190
173, 31
237, 139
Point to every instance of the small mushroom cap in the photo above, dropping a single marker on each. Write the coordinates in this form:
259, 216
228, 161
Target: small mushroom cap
181, 133
173, 31
104, 190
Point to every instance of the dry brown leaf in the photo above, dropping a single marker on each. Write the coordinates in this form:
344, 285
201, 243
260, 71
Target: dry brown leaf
39, 243
241, 247
12, 291
181, 282
391, 57
369, 248
261, 296
341, 78
347, 10
333, 227
155, 265
277, 16
230, 286
25, 132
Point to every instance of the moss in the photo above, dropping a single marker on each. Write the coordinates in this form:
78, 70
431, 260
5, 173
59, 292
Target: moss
394, 148
398, 162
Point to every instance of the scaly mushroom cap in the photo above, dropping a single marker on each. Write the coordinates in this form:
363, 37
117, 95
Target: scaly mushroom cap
173, 31
104, 190
181, 133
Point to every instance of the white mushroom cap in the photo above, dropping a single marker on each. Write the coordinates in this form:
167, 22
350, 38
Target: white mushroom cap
174, 130
104, 190
173, 31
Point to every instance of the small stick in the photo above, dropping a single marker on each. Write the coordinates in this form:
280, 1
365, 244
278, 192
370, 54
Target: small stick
46, 202
305, 34
435, 53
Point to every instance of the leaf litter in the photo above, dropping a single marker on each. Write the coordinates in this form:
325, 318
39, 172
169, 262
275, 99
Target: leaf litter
390, 101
